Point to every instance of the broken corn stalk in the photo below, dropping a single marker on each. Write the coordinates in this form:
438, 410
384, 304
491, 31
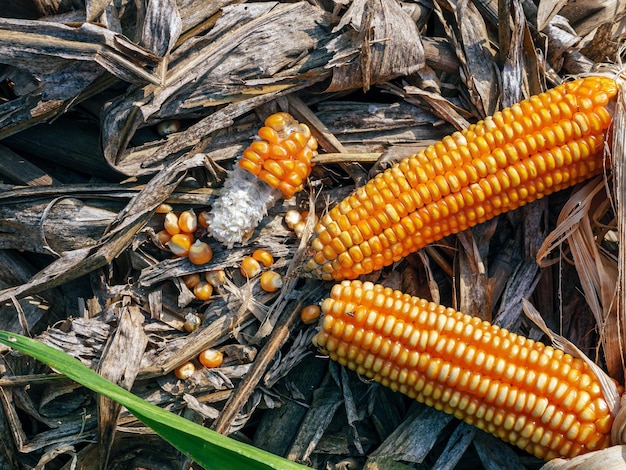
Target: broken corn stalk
272, 167
543, 144
531, 395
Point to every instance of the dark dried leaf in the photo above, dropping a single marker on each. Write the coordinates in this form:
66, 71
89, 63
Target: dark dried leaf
380, 42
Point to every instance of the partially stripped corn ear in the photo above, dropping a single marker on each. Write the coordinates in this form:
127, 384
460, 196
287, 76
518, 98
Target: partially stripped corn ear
541, 145
274, 166
531, 395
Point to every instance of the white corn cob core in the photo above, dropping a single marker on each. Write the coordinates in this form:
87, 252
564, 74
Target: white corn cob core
239, 207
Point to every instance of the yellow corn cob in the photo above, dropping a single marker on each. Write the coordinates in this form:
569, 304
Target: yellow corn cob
541, 145
531, 395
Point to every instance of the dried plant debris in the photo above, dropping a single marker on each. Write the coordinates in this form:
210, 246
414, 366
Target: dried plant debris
114, 114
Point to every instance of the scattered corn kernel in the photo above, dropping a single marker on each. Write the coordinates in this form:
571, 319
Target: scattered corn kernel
164, 208
216, 277
211, 358
541, 145
203, 219
310, 314
191, 280
250, 267
192, 322
264, 257
203, 290
185, 370
171, 223
188, 221
180, 243
200, 253
271, 281
167, 127
163, 236
292, 217
444, 358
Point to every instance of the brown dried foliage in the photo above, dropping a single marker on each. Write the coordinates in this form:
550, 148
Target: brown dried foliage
84, 86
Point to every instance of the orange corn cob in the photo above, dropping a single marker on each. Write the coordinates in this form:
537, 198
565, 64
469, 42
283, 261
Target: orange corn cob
541, 145
272, 167
531, 395
282, 158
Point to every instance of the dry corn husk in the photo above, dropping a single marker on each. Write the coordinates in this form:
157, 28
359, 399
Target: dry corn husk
613, 458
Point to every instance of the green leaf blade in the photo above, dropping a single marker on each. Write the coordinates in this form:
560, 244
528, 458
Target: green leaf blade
208, 448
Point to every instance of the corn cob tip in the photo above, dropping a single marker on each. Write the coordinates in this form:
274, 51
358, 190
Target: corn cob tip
531, 395
275, 165
282, 157
536, 147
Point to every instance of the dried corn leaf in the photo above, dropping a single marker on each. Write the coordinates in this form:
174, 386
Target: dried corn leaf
121, 233
414, 438
96, 8
52, 226
218, 68
547, 10
562, 39
380, 42
587, 15
513, 51
466, 29
596, 269
439, 105
161, 27
613, 458
119, 363
43, 48
619, 182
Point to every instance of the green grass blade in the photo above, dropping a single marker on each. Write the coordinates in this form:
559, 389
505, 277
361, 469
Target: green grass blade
206, 447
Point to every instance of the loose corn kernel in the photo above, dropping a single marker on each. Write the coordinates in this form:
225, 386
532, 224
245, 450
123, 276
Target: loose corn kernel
271, 281
542, 145
310, 314
164, 208
298, 229
264, 257
171, 223
203, 219
180, 243
188, 221
163, 236
200, 253
292, 217
192, 322
191, 280
185, 370
216, 277
515, 388
203, 290
249, 267
211, 358
167, 127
